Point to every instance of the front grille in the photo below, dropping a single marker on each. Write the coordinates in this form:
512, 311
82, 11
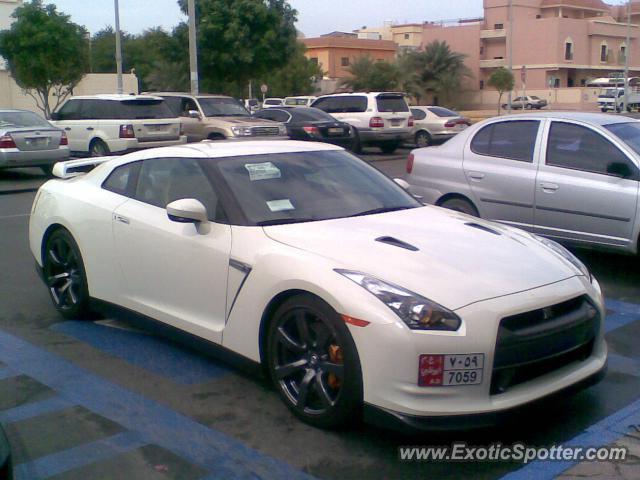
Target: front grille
534, 343
264, 131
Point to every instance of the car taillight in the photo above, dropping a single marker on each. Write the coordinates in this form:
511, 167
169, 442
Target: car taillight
411, 121
64, 140
6, 141
376, 122
126, 131
410, 160
450, 124
311, 130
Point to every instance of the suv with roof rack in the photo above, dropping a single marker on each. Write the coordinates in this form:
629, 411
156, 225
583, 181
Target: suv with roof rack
217, 117
380, 119
99, 125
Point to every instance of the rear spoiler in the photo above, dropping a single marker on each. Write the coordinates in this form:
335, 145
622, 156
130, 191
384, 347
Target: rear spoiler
74, 168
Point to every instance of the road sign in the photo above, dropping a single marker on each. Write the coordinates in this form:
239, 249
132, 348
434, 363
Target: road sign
264, 88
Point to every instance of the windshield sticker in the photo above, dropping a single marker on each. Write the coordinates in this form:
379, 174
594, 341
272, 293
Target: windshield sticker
280, 205
262, 171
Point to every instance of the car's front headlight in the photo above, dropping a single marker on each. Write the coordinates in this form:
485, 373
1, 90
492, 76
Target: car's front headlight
417, 312
241, 131
566, 254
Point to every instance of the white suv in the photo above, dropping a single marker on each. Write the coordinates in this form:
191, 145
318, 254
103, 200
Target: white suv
380, 119
102, 124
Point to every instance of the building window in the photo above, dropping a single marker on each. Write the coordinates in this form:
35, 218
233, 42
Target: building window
344, 61
556, 83
314, 60
407, 36
481, 84
499, 26
623, 53
568, 51
583, 82
603, 53
481, 49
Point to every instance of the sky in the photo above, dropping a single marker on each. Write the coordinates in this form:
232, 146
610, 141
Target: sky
315, 17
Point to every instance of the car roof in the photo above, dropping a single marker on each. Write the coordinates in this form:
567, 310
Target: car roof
586, 117
350, 94
16, 110
227, 148
115, 97
187, 94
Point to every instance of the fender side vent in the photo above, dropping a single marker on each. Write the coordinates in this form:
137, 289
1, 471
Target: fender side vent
483, 228
397, 243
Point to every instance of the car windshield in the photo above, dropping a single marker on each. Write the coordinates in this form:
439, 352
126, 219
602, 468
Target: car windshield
307, 186
223, 107
443, 112
22, 120
295, 101
629, 133
272, 102
310, 115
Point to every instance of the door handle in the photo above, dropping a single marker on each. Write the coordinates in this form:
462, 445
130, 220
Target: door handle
90, 129
549, 187
68, 129
121, 219
476, 175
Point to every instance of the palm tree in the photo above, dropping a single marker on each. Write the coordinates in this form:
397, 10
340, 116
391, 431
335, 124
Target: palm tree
436, 69
369, 75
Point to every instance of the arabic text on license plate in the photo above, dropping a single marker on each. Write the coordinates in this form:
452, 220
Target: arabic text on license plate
448, 370
396, 123
335, 131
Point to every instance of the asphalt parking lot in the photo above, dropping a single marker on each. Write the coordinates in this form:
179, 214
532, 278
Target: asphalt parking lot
102, 399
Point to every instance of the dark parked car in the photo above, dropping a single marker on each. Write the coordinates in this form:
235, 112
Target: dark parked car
306, 123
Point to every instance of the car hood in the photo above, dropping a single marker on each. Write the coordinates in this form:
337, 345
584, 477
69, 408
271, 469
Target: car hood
456, 260
242, 120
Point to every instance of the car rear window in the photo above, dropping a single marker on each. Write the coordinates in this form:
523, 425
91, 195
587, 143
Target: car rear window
310, 115
346, 104
395, 103
443, 112
513, 140
21, 120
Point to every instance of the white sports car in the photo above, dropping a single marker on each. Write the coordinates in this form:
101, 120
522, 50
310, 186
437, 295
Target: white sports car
301, 257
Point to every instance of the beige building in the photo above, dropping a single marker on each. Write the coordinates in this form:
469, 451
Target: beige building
407, 36
6, 9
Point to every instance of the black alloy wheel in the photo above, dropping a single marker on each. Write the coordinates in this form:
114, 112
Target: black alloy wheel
313, 363
65, 276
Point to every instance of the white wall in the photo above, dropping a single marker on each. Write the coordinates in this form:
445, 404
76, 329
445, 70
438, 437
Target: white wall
11, 95
6, 9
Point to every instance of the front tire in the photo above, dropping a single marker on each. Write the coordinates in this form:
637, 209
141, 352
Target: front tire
65, 275
529, 106
313, 363
389, 147
461, 205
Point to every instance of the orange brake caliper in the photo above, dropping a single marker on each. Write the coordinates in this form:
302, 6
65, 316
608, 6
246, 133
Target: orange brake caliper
335, 355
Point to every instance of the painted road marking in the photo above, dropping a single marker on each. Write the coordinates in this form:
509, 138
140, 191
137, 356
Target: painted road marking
607, 430
77, 457
156, 424
145, 351
30, 410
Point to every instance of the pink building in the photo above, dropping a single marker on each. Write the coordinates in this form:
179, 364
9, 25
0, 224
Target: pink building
557, 43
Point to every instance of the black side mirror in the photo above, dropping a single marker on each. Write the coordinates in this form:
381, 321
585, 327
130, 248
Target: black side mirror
619, 169
55, 116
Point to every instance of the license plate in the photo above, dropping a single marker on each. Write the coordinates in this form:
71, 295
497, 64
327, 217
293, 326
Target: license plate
156, 128
450, 370
396, 122
37, 142
336, 131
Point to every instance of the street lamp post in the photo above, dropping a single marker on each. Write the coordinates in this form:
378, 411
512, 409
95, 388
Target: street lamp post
120, 87
510, 47
193, 48
627, 51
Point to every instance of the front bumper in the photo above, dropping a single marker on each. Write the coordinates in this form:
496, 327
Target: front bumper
390, 382
14, 158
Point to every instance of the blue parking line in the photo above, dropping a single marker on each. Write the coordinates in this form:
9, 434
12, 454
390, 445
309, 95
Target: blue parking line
6, 372
77, 457
30, 410
610, 428
156, 424
145, 351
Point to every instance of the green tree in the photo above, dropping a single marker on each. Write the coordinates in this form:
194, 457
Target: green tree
241, 39
502, 80
297, 77
46, 53
369, 75
436, 69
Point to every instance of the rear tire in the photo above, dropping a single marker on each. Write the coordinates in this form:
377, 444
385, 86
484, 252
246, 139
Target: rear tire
389, 147
313, 363
356, 146
47, 170
65, 276
529, 106
461, 205
98, 148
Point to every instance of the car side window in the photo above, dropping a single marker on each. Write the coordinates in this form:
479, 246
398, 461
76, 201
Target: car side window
187, 105
174, 104
280, 116
513, 140
93, 110
70, 110
165, 180
345, 104
122, 179
580, 148
266, 114
418, 114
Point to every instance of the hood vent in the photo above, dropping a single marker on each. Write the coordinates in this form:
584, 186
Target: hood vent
483, 228
397, 243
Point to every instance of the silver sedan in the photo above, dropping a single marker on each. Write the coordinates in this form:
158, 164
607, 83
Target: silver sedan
570, 176
27, 140
436, 124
